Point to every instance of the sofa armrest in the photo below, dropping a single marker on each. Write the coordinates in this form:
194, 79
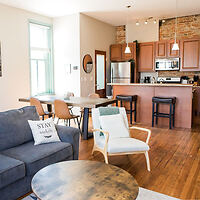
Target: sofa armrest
70, 135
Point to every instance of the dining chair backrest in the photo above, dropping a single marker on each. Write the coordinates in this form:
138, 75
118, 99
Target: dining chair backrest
61, 109
35, 102
94, 95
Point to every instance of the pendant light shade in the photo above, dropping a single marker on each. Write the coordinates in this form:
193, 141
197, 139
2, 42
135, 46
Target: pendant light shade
175, 47
127, 50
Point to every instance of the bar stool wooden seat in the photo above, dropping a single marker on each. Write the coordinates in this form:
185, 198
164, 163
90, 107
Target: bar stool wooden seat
131, 99
163, 100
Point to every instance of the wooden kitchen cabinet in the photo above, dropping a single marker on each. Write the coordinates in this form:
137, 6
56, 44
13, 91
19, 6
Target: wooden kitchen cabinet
164, 49
146, 57
129, 56
170, 52
161, 49
190, 55
116, 52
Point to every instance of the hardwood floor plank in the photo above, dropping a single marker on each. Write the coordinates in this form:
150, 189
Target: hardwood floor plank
174, 160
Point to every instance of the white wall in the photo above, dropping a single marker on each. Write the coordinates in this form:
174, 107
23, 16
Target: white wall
94, 35
15, 80
67, 52
144, 32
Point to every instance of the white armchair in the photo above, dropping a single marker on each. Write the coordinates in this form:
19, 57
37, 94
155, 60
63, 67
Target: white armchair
110, 143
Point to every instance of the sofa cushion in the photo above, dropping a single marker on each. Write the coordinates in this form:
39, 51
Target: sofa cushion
39, 156
14, 127
11, 170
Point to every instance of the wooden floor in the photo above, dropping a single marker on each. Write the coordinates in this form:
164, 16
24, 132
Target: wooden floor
174, 158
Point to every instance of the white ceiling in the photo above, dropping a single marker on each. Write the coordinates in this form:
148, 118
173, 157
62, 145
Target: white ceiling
110, 11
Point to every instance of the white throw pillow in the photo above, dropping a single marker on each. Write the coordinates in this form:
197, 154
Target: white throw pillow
44, 131
114, 124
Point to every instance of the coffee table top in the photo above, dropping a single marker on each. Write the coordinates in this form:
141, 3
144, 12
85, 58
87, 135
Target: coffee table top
84, 180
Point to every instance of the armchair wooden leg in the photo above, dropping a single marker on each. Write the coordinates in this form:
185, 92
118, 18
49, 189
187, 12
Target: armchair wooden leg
147, 160
106, 158
93, 150
78, 124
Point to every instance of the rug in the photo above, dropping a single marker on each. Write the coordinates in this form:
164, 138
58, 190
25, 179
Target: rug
144, 194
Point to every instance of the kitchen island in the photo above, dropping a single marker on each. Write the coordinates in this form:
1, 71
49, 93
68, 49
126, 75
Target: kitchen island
145, 92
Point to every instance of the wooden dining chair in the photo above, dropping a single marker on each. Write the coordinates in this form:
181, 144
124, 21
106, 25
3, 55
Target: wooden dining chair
62, 112
35, 102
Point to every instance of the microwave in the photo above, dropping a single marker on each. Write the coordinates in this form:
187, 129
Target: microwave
167, 64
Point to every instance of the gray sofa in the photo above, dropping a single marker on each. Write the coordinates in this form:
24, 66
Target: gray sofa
20, 159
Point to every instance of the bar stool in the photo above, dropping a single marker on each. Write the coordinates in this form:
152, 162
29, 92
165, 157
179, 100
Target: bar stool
131, 99
163, 100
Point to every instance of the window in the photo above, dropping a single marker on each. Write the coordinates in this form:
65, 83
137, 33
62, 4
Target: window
41, 62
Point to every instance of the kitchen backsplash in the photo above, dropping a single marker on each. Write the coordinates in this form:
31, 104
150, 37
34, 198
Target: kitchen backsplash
177, 74
146, 74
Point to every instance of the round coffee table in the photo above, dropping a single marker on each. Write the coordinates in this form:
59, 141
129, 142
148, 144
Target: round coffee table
84, 180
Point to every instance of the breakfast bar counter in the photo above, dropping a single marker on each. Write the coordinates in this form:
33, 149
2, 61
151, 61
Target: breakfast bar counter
145, 92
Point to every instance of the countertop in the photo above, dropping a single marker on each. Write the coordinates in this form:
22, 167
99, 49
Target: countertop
153, 84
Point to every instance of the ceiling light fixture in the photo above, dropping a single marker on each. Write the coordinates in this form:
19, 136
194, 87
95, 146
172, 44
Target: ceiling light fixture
163, 21
137, 23
155, 21
175, 46
146, 22
127, 49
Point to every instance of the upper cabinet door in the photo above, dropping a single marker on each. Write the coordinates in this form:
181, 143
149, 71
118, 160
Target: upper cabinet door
171, 53
146, 57
161, 50
190, 55
116, 52
128, 56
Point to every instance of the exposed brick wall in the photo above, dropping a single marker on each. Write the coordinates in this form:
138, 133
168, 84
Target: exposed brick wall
120, 34
187, 27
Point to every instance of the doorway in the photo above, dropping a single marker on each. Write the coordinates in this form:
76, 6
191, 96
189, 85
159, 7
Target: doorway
100, 73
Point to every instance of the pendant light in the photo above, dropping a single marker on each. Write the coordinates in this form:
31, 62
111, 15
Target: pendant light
175, 46
127, 49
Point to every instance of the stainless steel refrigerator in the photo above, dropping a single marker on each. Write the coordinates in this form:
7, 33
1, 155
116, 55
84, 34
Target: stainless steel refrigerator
122, 72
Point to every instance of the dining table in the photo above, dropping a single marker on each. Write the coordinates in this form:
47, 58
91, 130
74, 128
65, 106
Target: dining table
86, 103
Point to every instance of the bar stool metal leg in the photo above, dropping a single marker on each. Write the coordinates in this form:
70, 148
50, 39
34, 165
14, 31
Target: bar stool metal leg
152, 114
117, 103
170, 117
121, 104
173, 115
157, 105
135, 108
131, 112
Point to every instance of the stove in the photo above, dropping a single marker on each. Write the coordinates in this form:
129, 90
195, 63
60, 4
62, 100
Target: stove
168, 80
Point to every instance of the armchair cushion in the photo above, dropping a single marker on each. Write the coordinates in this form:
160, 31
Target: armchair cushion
114, 125
124, 145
